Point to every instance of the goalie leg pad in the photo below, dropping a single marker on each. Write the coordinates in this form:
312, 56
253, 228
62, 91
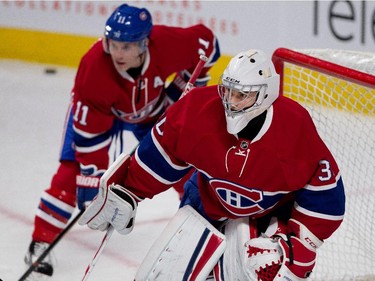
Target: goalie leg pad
187, 249
237, 233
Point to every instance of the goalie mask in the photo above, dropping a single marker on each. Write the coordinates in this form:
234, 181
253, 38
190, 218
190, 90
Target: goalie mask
248, 87
128, 24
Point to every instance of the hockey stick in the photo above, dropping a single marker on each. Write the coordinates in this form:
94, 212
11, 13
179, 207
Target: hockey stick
35, 264
98, 252
198, 68
190, 84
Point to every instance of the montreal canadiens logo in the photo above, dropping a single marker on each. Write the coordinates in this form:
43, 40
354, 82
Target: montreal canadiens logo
237, 199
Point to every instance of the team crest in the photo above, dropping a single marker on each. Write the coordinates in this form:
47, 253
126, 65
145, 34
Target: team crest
237, 199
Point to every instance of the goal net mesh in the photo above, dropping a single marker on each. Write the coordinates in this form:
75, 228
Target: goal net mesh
338, 90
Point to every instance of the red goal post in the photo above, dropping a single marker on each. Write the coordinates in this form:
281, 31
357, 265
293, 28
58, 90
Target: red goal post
282, 55
337, 87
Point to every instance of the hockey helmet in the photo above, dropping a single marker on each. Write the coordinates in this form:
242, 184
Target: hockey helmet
250, 74
128, 24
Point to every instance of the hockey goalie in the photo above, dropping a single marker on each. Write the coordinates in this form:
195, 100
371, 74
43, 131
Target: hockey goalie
265, 193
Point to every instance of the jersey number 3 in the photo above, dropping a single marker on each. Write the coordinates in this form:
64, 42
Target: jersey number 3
326, 171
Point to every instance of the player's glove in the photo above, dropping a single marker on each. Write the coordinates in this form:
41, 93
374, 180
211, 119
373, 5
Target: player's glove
114, 204
264, 254
299, 253
263, 258
277, 256
178, 85
87, 189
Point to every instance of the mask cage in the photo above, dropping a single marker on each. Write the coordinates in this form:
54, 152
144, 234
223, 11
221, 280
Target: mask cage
254, 94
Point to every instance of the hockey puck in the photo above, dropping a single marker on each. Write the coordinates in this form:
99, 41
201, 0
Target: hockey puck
50, 71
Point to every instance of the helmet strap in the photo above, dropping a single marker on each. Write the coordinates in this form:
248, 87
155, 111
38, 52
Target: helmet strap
143, 45
105, 44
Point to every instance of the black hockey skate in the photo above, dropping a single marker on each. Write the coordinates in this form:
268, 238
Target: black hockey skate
35, 250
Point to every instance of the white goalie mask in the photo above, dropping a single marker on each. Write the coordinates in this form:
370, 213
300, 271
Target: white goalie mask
248, 87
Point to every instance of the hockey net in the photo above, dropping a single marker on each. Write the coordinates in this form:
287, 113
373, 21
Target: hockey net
338, 89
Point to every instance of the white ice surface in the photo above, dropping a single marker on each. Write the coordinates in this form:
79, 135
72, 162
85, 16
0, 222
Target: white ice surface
32, 112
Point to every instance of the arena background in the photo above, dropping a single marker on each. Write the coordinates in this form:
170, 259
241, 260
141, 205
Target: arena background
60, 32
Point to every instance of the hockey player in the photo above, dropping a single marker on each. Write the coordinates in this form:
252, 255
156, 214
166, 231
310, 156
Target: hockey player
120, 85
263, 177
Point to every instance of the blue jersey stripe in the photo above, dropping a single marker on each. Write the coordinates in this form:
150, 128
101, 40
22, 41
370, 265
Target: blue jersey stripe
328, 201
152, 158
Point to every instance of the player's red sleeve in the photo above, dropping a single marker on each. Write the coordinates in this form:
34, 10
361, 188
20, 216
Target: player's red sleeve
320, 205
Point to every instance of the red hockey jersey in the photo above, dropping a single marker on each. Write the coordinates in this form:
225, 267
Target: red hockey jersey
287, 160
101, 94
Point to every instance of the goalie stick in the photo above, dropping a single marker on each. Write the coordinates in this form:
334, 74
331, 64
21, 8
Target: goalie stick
189, 86
98, 253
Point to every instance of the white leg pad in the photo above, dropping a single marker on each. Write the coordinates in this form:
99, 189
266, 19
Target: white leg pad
187, 249
237, 233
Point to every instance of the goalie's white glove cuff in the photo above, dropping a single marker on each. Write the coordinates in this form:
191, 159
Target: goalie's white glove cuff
117, 208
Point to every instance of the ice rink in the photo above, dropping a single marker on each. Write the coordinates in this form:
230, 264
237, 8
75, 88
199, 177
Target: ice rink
32, 112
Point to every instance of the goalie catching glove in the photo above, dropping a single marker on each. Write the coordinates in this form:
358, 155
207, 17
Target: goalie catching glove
276, 256
114, 204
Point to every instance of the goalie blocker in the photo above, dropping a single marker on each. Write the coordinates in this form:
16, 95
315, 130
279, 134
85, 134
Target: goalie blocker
114, 204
